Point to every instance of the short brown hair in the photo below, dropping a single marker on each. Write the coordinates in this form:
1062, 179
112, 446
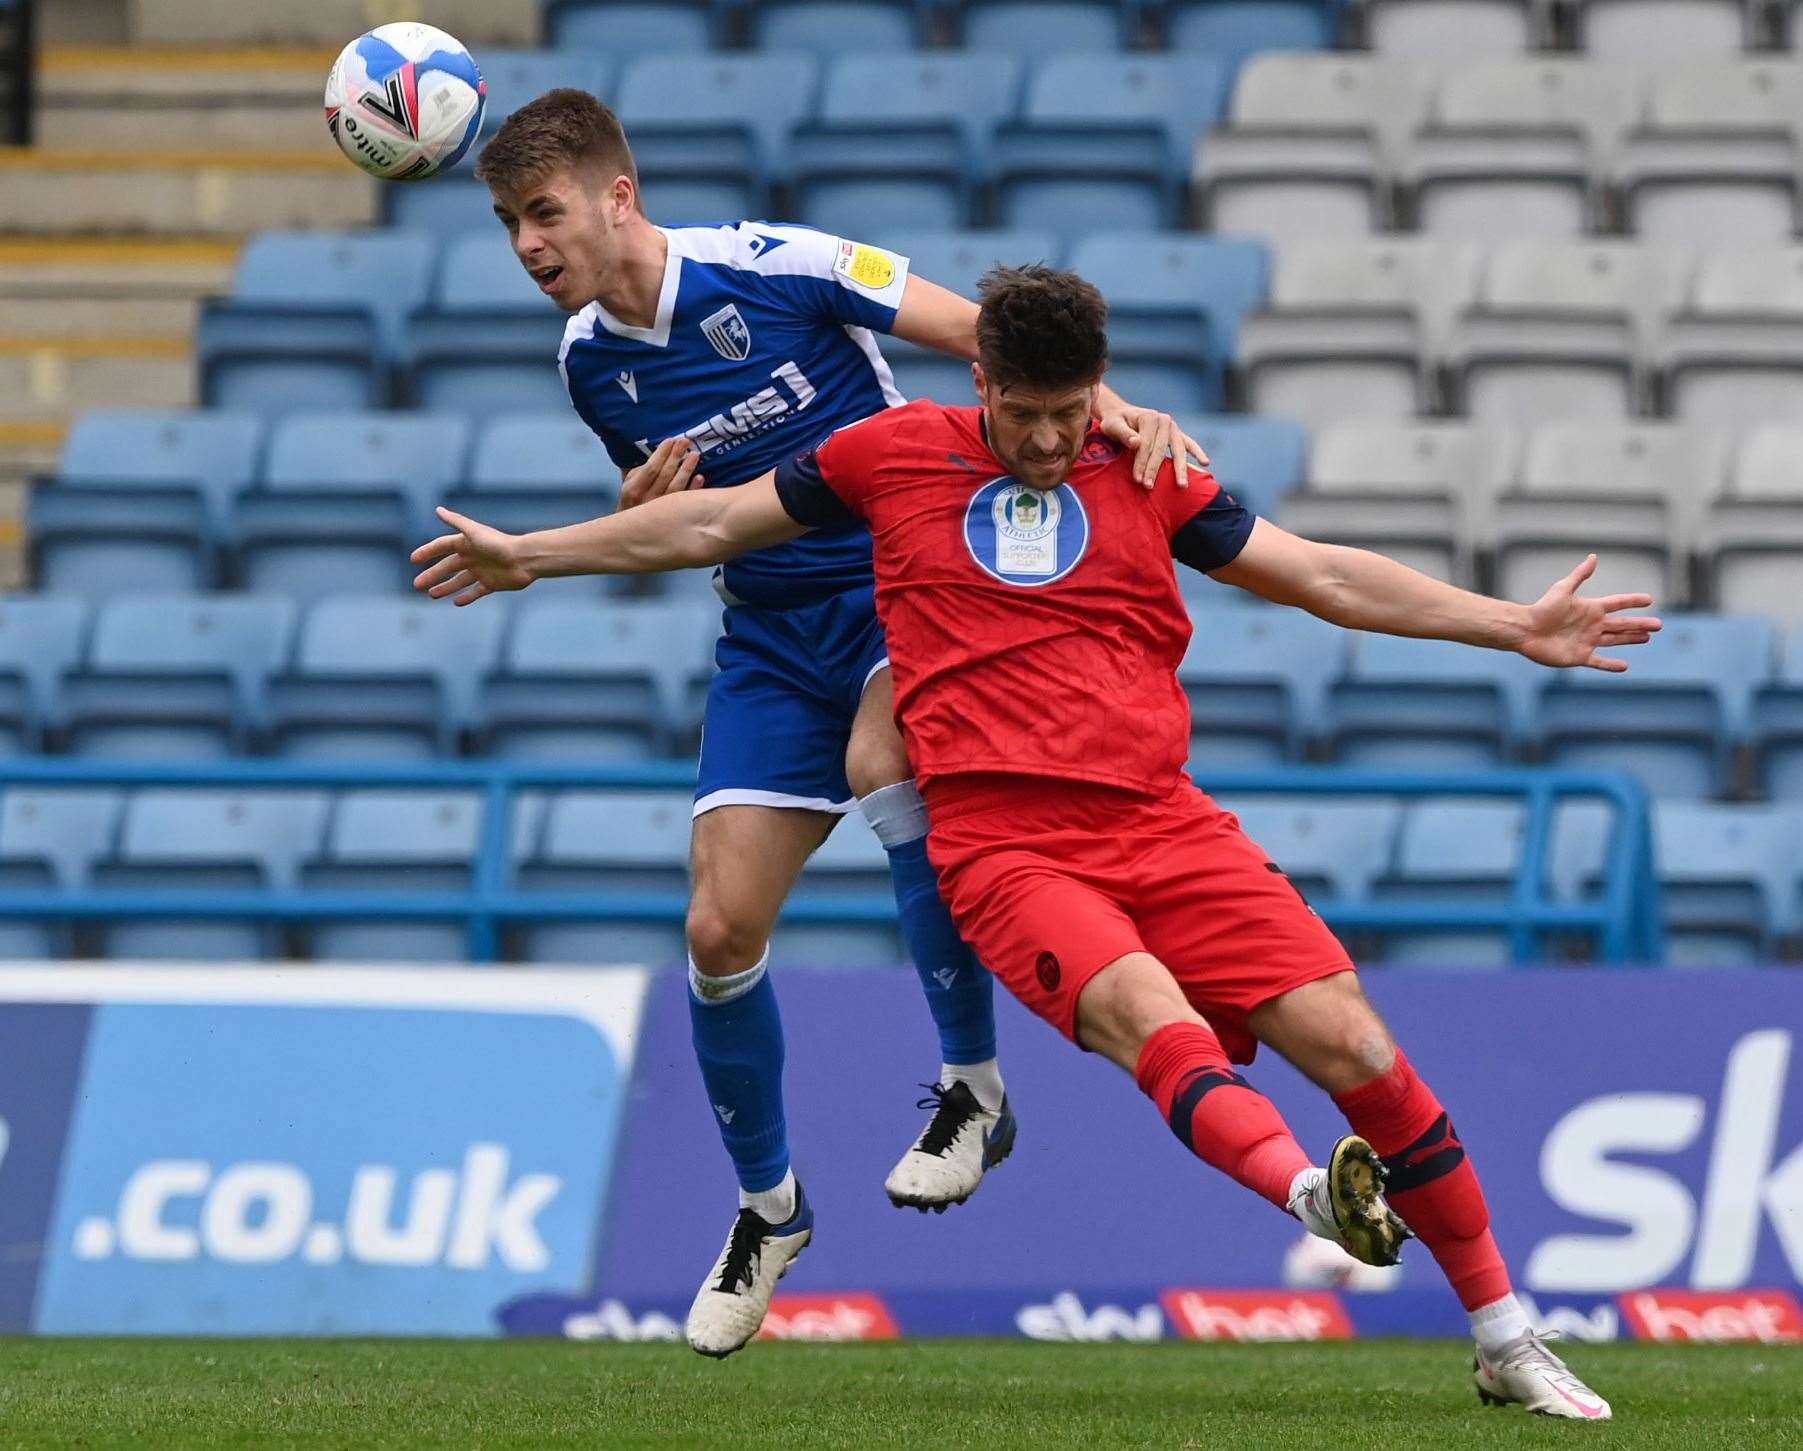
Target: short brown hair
1040, 327
562, 129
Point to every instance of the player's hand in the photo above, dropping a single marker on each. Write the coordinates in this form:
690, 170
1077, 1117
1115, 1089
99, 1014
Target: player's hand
669, 470
473, 562
1153, 436
1567, 628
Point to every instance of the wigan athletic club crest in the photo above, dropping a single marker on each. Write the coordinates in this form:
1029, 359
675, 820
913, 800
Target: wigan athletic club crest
1024, 536
726, 330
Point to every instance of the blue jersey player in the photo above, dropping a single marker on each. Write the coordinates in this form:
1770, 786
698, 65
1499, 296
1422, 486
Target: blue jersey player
703, 356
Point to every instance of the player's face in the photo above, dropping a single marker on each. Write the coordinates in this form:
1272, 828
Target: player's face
565, 231
1037, 432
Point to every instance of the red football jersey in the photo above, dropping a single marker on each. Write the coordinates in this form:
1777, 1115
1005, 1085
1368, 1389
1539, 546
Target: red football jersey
1029, 633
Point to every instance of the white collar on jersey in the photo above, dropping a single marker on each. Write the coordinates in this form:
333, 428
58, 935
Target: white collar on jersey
658, 334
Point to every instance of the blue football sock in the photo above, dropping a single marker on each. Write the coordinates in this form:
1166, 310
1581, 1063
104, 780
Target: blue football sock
960, 994
738, 1036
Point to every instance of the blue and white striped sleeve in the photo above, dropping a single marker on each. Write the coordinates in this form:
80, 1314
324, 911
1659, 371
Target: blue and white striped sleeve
838, 280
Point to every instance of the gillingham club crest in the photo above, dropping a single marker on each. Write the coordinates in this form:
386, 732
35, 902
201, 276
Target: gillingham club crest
727, 331
1026, 537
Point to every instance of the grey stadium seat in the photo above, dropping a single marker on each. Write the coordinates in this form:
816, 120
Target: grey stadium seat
1436, 29
1565, 330
1352, 327
1716, 158
1520, 148
1753, 536
1734, 357
208, 840
1309, 144
1633, 492
1658, 31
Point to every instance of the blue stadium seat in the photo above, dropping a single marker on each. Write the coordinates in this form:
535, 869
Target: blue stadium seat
830, 27
850, 862
1174, 309
175, 678
1728, 875
588, 682
1331, 850
50, 839
710, 133
1105, 136
1042, 26
515, 77
342, 499
140, 500
537, 471
314, 320
954, 260
1778, 726
1257, 684
598, 843
441, 207
41, 638
1257, 460
395, 841
489, 340
176, 840
630, 27
383, 679
899, 141
1679, 715
1430, 704
1232, 30
1453, 852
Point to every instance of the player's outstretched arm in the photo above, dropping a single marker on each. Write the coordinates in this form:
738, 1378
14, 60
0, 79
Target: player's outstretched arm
1366, 591
678, 531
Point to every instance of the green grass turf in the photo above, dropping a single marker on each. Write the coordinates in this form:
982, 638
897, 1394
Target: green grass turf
920, 1394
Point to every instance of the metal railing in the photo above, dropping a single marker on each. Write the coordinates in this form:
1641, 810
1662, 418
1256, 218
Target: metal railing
1624, 916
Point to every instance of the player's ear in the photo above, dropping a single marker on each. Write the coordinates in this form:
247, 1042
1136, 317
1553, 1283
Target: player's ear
981, 380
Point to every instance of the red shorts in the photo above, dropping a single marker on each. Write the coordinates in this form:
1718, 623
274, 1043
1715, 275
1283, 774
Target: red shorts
1050, 881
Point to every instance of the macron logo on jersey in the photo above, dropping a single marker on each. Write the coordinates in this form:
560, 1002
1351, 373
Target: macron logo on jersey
758, 414
630, 384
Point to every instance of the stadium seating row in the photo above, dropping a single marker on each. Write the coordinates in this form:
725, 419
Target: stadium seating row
1642, 29
1733, 875
1522, 333
1312, 144
351, 678
167, 503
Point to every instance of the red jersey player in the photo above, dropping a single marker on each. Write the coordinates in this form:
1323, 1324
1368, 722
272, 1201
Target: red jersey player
1034, 628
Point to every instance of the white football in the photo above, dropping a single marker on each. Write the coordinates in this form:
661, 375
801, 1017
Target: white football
405, 101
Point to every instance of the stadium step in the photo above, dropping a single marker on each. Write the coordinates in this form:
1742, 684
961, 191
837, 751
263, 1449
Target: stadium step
48, 378
325, 22
217, 193
140, 98
146, 288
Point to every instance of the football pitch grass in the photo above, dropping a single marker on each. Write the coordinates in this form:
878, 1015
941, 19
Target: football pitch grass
991, 1394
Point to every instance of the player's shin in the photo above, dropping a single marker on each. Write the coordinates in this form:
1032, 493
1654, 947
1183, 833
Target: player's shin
959, 992
1435, 1190
738, 1037
1216, 1114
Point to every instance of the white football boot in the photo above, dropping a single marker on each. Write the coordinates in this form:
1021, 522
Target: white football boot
730, 1305
1525, 1373
1344, 1202
961, 1142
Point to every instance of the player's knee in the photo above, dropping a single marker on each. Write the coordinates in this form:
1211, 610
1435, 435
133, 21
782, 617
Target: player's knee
719, 943
1124, 1004
871, 765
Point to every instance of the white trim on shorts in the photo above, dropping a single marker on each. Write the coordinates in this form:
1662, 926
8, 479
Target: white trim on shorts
882, 664
782, 800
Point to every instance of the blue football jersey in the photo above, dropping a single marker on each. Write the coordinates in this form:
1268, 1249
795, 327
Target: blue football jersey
761, 347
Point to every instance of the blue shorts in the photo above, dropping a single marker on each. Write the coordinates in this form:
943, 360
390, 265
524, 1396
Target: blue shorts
780, 708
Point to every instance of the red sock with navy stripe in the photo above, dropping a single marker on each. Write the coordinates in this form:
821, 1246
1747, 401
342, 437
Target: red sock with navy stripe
1432, 1184
1220, 1118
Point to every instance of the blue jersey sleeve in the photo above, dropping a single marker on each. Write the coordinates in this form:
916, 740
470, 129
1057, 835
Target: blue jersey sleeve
831, 278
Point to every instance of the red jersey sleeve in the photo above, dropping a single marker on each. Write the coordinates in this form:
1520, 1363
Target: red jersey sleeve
1207, 526
827, 485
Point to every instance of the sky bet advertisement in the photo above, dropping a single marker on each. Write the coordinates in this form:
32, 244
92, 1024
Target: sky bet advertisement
455, 1152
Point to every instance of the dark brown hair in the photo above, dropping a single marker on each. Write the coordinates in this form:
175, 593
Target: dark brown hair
562, 129
1040, 327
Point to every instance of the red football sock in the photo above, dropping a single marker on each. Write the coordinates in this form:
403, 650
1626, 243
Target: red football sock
1236, 1129
1432, 1184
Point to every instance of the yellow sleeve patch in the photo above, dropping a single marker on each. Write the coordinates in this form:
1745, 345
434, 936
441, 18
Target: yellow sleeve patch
866, 266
